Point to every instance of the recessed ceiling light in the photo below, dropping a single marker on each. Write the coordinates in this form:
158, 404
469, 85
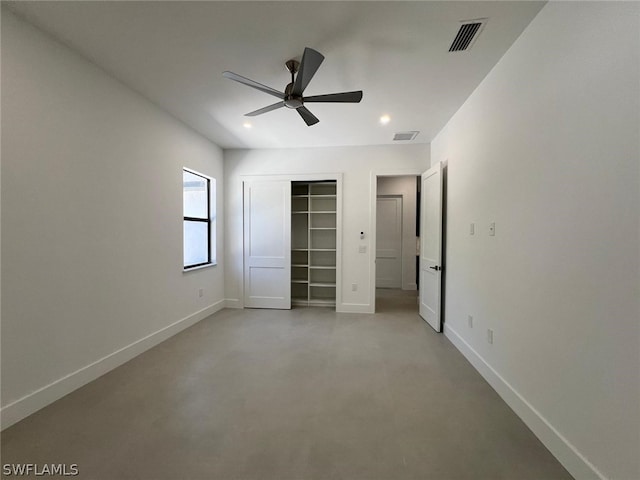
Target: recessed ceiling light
247, 125
384, 119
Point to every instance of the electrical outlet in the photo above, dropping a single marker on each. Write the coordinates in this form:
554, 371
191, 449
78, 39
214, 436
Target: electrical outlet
354, 287
489, 335
200, 292
492, 229
470, 320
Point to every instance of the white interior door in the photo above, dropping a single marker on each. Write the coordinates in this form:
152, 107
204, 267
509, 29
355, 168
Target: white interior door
431, 246
389, 242
267, 244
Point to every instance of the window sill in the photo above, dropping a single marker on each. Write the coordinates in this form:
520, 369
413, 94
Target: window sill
199, 267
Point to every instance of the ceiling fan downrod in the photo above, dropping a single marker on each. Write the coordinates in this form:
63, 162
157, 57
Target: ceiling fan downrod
290, 100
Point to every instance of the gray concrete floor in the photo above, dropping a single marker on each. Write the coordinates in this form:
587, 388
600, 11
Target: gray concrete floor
300, 394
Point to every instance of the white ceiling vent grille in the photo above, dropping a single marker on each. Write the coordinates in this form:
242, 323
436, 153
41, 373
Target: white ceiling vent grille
467, 35
405, 135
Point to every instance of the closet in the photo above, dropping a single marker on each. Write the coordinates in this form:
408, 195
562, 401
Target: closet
313, 243
291, 238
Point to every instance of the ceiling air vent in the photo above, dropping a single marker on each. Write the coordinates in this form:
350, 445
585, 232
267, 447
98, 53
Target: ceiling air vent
405, 135
467, 35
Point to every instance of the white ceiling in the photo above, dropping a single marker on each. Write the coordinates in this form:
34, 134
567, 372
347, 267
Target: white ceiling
174, 54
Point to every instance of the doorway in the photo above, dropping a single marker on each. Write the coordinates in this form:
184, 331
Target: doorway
396, 243
427, 245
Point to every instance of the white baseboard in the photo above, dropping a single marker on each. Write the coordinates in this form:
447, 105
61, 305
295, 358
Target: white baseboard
410, 286
233, 303
31, 403
568, 455
340, 307
354, 308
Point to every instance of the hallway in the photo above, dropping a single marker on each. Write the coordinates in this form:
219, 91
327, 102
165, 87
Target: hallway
392, 300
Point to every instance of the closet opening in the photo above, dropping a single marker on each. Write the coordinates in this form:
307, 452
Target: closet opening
313, 243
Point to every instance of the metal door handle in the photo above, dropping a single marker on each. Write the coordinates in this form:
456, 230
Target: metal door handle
436, 268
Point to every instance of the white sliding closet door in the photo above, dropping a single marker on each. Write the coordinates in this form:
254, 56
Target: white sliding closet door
267, 244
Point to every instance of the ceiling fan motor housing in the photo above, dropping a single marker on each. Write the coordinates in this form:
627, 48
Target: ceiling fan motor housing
290, 100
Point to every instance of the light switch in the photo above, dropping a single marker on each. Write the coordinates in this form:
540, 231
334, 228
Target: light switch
472, 229
492, 229
362, 249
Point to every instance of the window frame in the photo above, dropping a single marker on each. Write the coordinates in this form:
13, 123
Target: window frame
209, 221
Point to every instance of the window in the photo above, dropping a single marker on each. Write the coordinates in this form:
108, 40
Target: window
199, 219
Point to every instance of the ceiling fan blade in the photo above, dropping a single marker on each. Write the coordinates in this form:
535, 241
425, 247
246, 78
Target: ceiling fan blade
269, 108
309, 65
344, 97
308, 117
253, 84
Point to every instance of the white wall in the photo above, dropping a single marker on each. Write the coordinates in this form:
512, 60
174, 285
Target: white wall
358, 165
547, 147
91, 222
406, 187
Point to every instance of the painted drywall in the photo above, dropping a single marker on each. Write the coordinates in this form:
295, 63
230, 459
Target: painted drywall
406, 187
91, 221
358, 166
547, 148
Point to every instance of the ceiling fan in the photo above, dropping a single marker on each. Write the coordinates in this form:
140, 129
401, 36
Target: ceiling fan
301, 74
